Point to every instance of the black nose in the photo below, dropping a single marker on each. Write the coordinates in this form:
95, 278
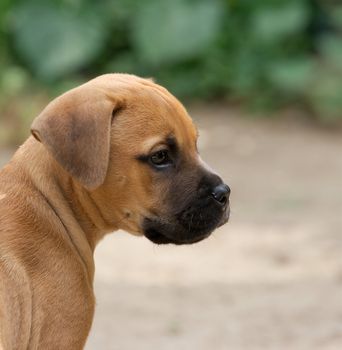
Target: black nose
221, 194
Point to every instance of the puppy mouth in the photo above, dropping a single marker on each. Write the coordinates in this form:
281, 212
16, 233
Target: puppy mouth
158, 237
182, 231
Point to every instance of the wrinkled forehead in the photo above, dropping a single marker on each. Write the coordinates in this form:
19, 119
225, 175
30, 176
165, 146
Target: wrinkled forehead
152, 116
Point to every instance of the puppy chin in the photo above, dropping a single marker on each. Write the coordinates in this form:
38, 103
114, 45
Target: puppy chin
167, 233
158, 237
190, 226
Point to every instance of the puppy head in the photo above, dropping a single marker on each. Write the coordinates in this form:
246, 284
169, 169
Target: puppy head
131, 144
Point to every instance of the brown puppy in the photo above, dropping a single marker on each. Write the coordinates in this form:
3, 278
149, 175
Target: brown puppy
118, 152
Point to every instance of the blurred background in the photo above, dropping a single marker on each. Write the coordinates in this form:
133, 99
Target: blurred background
263, 80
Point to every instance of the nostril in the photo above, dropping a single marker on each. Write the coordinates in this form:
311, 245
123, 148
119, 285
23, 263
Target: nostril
221, 194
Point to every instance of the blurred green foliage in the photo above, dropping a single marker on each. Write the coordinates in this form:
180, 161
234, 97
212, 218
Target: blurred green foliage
262, 53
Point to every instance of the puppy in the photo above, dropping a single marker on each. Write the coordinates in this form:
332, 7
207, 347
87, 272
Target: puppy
118, 152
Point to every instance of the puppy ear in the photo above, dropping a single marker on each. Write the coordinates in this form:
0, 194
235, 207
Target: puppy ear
75, 128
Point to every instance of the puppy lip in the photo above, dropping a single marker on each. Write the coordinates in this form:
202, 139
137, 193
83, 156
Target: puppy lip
158, 238
156, 235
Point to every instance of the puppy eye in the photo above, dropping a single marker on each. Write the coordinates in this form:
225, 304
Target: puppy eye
160, 158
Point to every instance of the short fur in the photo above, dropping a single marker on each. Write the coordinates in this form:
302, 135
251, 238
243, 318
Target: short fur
77, 178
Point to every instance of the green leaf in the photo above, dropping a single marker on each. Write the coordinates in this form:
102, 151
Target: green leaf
168, 31
123, 63
336, 15
275, 23
55, 41
13, 80
331, 48
293, 75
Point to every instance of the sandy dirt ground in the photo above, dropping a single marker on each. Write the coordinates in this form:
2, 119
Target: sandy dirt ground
270, 279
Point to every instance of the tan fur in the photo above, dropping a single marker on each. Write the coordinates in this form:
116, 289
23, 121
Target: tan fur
60, 196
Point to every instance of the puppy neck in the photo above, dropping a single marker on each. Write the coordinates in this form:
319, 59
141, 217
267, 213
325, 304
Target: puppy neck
73, 205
